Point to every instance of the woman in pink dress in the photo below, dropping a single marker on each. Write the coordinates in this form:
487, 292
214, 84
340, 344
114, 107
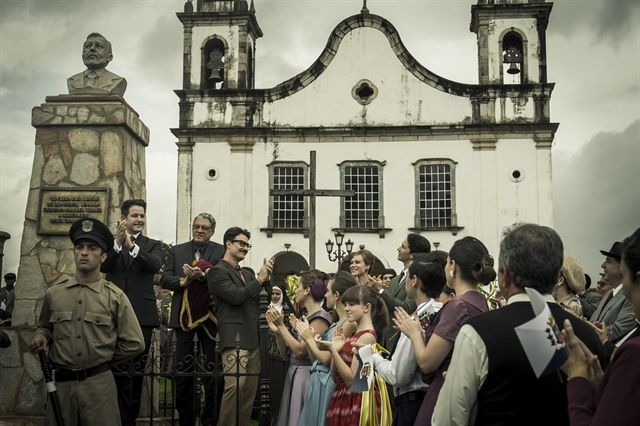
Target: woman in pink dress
310, 294
365, 308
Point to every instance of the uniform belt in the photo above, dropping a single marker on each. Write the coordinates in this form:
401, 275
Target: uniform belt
409, 397
68, 375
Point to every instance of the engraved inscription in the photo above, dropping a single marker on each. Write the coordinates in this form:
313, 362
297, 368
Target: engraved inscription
60, 208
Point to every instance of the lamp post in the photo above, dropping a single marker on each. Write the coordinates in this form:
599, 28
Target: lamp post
338, 254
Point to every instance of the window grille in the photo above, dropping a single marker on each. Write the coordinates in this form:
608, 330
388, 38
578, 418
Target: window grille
287, 211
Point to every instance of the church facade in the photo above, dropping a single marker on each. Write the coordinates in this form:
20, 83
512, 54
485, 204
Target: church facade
421, 153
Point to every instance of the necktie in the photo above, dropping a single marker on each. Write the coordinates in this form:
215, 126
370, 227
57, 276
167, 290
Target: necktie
133, 239
240, 272
401, 276
198, 254
91, 79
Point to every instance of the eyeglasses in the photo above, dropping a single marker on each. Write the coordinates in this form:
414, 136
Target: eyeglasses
202, 227
242, 243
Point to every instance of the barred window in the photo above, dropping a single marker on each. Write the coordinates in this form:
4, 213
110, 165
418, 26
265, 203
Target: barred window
287, 211
435, 197
363, 210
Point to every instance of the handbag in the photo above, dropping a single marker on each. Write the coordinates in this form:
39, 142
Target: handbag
369, 415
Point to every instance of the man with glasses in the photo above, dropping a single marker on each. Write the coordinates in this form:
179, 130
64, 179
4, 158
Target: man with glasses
236, 292
183, 274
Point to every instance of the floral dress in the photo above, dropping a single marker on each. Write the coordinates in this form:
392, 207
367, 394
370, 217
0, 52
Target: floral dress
344, 409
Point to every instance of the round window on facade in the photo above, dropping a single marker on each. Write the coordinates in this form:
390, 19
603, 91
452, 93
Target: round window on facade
212, 174
364, 92
516, 175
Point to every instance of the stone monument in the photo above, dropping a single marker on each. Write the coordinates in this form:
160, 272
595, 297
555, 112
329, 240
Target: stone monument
89, 157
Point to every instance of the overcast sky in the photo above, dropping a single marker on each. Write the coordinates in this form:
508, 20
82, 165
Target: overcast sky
593, 57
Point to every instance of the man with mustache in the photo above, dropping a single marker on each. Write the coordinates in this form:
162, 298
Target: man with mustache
96, 54
236, 291
182, 275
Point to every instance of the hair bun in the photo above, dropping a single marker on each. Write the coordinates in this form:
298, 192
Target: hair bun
484, 272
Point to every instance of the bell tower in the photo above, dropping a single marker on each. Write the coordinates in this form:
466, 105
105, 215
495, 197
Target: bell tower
219, 44
511, 40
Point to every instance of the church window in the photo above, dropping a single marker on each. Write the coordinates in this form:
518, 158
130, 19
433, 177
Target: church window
364, 92
287, 211
362, 211
435, 193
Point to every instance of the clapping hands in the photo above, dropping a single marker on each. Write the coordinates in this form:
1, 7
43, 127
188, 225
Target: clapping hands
407, 324
275, 319
581, 362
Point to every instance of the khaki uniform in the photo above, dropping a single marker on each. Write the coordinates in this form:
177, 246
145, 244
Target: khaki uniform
87, 325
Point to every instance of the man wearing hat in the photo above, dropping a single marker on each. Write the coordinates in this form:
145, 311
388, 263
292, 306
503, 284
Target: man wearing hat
7, 297
614, 316
86, 324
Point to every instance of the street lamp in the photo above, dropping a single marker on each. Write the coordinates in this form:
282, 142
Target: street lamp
338, 254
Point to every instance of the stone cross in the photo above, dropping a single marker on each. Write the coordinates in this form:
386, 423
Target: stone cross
312, 193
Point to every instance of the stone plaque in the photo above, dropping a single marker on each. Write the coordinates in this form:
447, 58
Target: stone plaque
60, 208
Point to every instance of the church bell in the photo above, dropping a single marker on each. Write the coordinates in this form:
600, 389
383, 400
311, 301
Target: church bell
512, 56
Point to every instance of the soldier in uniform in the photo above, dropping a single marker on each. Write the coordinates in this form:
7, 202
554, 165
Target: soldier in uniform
86, 324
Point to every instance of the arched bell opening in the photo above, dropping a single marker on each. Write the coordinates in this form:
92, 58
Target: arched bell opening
213, 64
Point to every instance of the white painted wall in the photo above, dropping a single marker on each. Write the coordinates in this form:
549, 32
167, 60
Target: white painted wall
487, 200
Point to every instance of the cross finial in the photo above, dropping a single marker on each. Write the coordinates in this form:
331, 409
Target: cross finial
364, 7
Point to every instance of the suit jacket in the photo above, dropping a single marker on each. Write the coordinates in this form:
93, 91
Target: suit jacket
237, 305
395, 296
178, 256
135, 277
617, 315
106, 83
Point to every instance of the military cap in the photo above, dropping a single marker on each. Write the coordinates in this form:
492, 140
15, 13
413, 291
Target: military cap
91, 229
9, 276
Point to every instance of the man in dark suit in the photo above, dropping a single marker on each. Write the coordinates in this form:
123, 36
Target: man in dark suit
490, 380
396, 295
181, 272
235, 292
614, 311
131, 264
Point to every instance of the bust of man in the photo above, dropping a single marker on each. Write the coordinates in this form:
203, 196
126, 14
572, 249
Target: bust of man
96, 80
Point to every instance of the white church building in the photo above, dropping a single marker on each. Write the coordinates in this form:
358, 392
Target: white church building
422, 153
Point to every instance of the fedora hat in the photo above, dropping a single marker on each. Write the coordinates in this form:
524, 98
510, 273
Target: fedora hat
615, 251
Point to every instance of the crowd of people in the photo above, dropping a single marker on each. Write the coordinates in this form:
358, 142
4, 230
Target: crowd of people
424, 346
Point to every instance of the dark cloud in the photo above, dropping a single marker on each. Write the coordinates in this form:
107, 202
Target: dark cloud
596, 194
617, 18
603, 20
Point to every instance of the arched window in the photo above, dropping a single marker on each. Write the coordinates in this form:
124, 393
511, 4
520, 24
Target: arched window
213, 67
513, 62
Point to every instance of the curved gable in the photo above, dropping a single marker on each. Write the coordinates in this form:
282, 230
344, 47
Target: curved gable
351, 23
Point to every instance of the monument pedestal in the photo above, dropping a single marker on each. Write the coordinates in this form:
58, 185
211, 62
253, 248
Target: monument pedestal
89, 158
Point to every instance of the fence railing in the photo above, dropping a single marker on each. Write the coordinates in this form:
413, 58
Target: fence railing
160, 370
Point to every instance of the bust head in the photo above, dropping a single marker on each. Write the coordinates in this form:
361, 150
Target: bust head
96, 51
